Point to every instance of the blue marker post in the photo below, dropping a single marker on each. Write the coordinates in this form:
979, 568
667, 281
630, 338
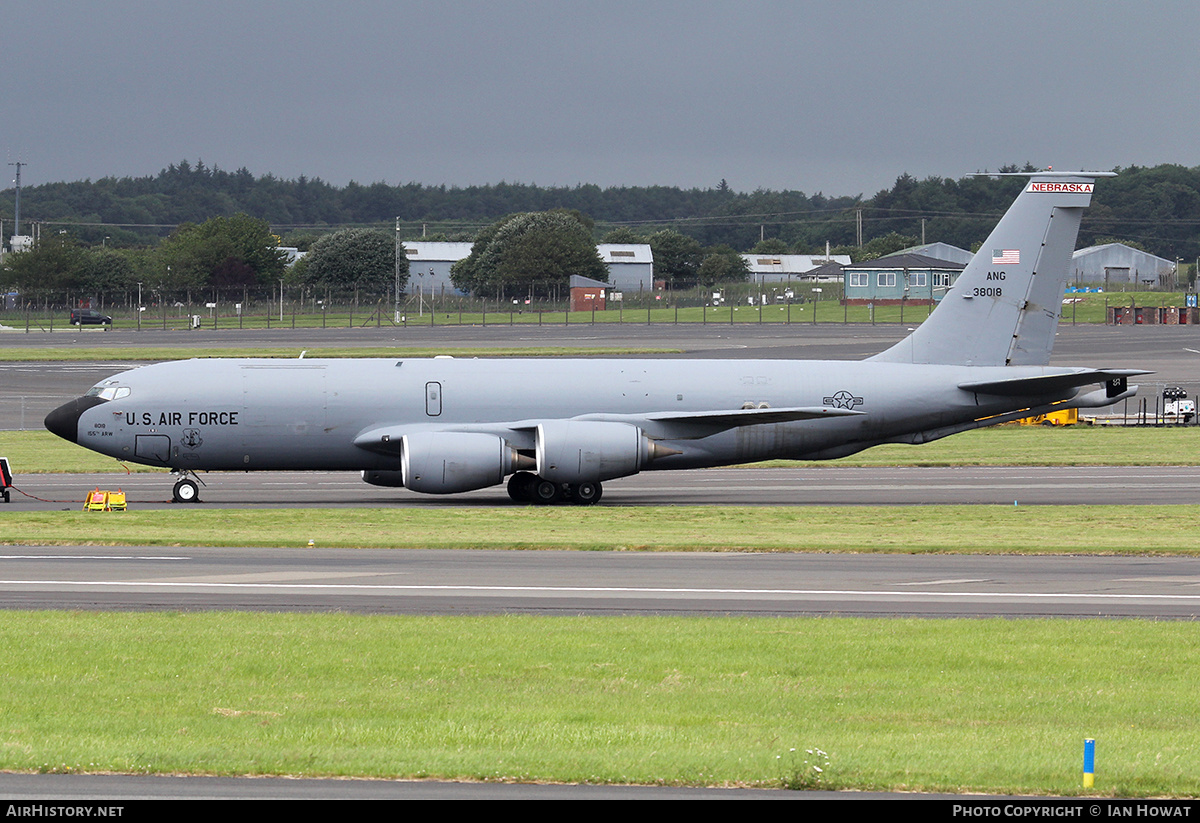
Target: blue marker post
1089, 763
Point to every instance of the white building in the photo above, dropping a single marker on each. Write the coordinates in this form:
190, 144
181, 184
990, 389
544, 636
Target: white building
429, 266
630, 266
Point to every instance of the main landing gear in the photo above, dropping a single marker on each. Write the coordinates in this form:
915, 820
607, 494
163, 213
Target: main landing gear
526, 487
187, 488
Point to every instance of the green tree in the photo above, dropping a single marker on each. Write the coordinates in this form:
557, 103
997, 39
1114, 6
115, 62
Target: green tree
222, 252
772, 245
355, 260
887, 244
55, 265
677, 257
466, 274
531, 253
723, 265
623, 234
107, 272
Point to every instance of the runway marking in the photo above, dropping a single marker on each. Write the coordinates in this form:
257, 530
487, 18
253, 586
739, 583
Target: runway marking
946, 582
89, 557
606, 590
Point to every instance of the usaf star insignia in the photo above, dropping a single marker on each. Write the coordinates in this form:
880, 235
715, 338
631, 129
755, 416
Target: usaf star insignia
842, 400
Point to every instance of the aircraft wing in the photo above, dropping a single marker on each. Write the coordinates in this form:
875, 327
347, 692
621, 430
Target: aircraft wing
1047, 384
694, 425
657, 425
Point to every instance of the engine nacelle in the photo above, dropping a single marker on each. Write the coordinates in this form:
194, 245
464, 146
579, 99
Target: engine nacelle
449, 462
378, 478
588, 451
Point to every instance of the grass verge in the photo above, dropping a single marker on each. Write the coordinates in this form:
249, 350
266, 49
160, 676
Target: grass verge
891, 529
948, 705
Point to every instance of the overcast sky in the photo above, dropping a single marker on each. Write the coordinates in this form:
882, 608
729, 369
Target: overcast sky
839, 97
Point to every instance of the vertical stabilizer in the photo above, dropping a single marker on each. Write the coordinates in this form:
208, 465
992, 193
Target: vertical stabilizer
1004, 308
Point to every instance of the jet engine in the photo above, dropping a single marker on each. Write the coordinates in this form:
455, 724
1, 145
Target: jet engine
384, 478
589, 451
449, 462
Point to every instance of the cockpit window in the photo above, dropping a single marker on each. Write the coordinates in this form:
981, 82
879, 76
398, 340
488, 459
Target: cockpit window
108, 392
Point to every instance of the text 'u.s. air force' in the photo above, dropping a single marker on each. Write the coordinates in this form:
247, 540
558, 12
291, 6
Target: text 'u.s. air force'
179, 418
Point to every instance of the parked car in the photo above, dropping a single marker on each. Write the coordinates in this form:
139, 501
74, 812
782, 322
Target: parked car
89, 317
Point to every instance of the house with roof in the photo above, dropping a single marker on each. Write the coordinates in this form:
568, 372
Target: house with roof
907, 277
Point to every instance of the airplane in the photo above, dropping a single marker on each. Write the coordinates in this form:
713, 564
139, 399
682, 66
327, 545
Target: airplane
559, 429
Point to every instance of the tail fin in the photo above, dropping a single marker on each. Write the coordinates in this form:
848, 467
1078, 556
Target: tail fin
1004, 308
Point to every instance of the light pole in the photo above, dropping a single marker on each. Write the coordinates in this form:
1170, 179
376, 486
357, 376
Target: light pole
396, 290
139, 306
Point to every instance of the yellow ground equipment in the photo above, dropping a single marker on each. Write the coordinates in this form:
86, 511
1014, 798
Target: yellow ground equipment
99, 500
1066, 417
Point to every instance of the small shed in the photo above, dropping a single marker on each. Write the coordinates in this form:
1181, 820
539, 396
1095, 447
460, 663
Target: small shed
587, 294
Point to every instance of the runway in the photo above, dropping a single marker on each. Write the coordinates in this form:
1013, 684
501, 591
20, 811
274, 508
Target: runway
803, 486
459, 582
464, 582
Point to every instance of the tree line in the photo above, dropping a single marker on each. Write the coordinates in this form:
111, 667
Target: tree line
1156, 207
223, 258
197, 229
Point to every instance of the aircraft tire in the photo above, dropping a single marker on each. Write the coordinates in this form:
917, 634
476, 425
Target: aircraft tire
546, 492
186, 491
586, 494
520, 487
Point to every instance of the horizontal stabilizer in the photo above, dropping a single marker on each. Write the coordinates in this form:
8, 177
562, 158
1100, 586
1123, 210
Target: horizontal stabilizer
1047, 384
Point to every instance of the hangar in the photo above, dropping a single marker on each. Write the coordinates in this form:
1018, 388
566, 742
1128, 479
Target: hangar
1115, 266
630, 265
429, 265
784, 268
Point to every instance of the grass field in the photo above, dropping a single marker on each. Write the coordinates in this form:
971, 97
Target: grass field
1080, 308
915, 705
890, 529
997, 706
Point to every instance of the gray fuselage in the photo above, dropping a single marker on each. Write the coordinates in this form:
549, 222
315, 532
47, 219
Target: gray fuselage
261, 414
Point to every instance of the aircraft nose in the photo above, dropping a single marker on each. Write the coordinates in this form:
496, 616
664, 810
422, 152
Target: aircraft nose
64, 421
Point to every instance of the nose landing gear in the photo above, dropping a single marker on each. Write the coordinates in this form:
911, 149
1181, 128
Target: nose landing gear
187, 487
